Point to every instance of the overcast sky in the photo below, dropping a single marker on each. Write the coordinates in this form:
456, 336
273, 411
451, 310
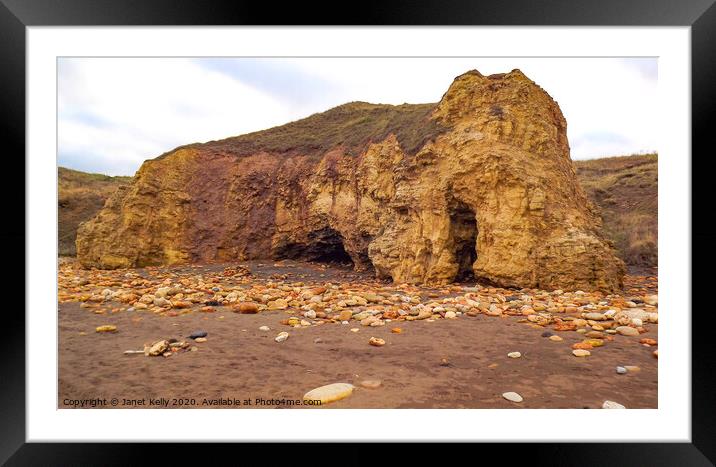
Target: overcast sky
114, 113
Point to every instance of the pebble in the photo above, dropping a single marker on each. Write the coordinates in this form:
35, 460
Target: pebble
621, 370
512, 396
279, 304
627, 331
371, 383
106, 328
612, 405
310, 314
162, 302
594, 316
376, 341
196, 334
282, 336
355, 329
157, 348
548, 334
514, 355
632, 368
651, 300
396, 330
264, 328
555, 338
594, 342
329, 393
450, 315
200, 339
247, 308
345, 315
581, 353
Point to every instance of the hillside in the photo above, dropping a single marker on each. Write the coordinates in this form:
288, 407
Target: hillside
625, 189
80, 196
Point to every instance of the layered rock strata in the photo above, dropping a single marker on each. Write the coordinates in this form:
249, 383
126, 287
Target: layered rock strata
480, 184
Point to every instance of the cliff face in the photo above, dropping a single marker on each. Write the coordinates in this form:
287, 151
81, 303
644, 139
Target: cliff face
80, 196
480, 183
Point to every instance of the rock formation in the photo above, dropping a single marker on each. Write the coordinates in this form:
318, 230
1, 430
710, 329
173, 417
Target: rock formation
480, 183
80, 196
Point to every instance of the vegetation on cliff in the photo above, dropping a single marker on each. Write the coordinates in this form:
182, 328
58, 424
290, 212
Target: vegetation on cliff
625, 190
352, 126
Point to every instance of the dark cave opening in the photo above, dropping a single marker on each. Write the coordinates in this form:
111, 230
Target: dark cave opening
323, 246
463, 229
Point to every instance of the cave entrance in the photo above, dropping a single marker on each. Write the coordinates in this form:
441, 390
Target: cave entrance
323, 246
326, 246
463, 229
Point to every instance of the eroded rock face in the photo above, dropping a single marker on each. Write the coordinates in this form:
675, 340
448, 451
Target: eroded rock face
492, 193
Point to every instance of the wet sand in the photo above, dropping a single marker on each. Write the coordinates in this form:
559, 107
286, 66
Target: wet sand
239, 361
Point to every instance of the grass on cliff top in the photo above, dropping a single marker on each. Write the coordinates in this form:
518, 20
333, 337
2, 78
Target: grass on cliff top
625, 189
69, 176
352, 126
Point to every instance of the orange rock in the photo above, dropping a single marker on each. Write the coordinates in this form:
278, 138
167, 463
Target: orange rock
376, 341
396, 330
583, 346
648, 341
565, 327
207, 309
390, 314
247, 308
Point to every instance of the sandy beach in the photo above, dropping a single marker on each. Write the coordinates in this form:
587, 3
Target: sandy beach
431, 363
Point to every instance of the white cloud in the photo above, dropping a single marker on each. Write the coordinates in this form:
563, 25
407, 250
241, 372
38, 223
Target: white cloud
115, 113
129, 110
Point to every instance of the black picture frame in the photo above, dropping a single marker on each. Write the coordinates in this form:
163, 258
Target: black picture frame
16, 15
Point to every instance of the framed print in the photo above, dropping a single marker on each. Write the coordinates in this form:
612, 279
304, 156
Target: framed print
421, 223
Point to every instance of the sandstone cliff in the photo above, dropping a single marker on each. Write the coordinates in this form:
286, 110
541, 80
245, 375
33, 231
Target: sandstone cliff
480, 183
80, 196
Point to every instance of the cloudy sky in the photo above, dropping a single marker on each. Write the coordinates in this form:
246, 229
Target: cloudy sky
114, 113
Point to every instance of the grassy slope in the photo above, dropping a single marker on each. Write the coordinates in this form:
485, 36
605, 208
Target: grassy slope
351, 126
80, 196
625, 189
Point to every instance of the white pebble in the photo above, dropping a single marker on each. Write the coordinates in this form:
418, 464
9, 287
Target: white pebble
612, 405
512, 396
282, 336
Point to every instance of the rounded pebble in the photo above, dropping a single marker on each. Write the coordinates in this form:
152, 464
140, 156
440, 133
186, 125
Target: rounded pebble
512, 396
